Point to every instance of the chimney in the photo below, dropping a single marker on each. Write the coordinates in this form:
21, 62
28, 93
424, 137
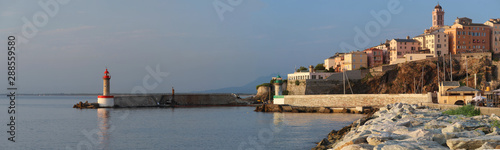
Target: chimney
311, 69
407, 37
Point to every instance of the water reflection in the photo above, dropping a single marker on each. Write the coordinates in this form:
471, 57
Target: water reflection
104, 127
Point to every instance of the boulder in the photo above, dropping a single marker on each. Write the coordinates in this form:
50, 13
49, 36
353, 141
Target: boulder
451, 128
494, 117
490, 145
471, 143
409, 145
358, 147
287, 108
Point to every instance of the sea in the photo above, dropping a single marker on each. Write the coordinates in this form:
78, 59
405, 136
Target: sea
50, 122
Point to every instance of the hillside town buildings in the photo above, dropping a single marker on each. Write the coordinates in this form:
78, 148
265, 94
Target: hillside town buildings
463, 36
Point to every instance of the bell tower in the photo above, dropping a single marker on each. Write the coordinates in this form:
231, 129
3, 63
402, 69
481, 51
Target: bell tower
437, 16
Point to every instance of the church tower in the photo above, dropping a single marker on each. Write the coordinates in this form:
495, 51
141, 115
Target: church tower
437, 16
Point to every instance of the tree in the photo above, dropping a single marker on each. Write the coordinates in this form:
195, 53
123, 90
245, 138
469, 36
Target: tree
319, 67
330, 69
302, 68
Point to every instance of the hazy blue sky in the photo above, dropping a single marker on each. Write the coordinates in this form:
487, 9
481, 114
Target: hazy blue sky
190, 41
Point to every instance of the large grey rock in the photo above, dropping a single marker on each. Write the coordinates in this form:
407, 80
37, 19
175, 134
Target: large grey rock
471, 143
410, 145
489, 145
494, 117
358, 147
452, 128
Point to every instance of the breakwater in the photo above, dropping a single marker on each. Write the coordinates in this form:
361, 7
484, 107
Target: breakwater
154, 100
304, 109
405, 126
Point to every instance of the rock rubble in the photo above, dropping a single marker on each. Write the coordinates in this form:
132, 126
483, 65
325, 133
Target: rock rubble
404, 126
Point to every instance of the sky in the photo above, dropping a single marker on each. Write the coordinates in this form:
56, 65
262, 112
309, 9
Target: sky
64, 46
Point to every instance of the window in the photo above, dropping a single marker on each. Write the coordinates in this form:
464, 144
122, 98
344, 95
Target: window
439, 41
445, 35
438, 45
353, 55
361, 60
411, 58
353, 66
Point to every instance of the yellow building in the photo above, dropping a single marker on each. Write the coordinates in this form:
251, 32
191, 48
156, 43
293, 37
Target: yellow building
450, 92
436, 42
355, 60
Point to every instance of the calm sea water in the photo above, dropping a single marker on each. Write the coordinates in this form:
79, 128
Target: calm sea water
50, 122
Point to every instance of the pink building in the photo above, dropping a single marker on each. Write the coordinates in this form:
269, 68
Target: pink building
375, 57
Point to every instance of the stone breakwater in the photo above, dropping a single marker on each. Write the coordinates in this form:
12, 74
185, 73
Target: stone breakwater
305, 109
404, 126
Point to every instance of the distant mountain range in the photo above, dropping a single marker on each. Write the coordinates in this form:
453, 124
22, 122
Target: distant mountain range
248, 88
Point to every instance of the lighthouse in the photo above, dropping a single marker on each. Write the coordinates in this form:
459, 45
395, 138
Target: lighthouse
105, 100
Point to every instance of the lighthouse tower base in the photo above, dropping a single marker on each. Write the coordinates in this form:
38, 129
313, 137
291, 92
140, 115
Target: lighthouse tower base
106, 101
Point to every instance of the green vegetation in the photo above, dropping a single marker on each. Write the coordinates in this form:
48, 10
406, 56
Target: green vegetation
319, 67
302, 68
297, 82
263, 84
362, 68
495, 123
330, 69
467, 110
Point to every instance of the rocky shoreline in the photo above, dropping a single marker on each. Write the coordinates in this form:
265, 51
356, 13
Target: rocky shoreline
405, 126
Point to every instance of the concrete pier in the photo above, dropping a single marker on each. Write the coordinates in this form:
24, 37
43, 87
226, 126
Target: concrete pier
154, 100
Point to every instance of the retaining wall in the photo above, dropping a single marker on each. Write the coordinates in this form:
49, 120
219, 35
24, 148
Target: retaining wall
355, 100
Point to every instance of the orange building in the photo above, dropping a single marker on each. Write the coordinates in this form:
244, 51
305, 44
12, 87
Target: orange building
465, 36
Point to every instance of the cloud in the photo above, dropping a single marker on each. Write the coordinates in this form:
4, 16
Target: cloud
68, 30
323, 28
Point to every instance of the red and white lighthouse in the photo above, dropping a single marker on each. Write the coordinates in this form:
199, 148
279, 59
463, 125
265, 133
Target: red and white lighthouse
105, 100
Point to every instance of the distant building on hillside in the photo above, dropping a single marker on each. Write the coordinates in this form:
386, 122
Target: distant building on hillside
436, 42
375, 57
466, 37
355, 60
336, 62
401, 47
494, 24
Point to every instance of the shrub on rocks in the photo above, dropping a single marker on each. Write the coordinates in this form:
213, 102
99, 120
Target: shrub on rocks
467, 110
